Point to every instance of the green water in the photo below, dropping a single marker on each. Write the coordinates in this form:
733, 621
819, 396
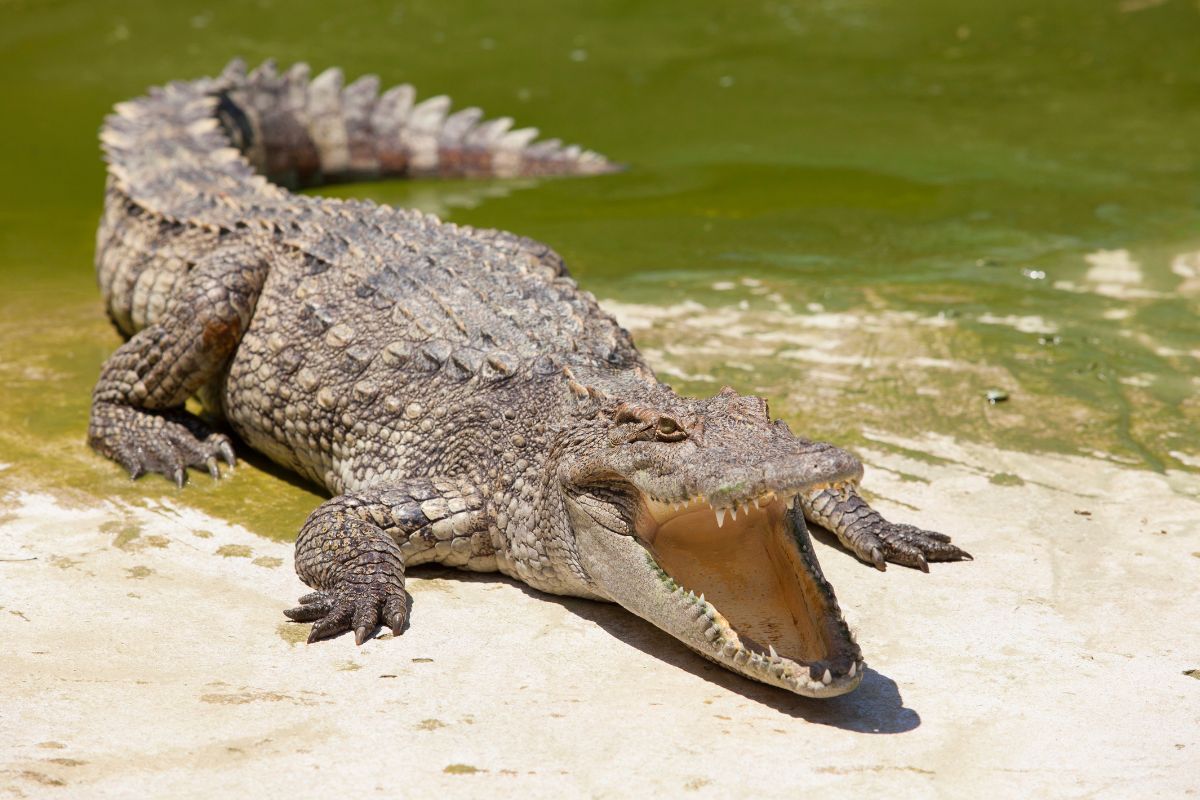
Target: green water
871, 212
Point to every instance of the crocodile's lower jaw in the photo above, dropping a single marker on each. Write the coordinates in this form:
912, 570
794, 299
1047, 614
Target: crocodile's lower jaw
755, 593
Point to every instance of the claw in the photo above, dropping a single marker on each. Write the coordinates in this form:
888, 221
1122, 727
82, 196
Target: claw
878, 560
168, 442
335, 622
394, 614
878, 542
338, 611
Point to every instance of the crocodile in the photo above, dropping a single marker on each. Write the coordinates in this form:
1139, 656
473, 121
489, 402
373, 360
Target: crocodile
461, 400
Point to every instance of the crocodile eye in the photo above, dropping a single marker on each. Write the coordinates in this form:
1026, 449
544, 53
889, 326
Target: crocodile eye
668, 430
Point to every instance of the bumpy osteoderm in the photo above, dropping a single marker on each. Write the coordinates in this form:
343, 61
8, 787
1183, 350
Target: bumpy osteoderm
451, 387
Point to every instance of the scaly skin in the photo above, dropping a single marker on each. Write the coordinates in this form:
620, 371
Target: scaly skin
459, 397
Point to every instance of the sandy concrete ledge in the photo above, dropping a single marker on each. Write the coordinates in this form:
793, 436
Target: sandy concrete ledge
145, 655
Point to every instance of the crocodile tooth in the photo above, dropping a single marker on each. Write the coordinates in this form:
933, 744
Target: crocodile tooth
853, 669
730, 650
733, 511
756, 502
774, 655
741, 657
702, 599
827, 678
720, 512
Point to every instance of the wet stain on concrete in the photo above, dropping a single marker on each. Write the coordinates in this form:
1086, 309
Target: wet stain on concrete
125, 533
128, 535
461, 769
42, 778
248, 696
292, 633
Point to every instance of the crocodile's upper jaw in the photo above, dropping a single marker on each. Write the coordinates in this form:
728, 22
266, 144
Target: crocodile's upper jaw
740, 586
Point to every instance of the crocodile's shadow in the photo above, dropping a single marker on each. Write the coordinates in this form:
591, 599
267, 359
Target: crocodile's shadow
874, 707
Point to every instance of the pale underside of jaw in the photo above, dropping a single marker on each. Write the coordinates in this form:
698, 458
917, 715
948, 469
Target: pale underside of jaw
760, 608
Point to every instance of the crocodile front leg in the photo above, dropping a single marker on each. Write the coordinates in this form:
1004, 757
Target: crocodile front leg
842, 510
137, 416
353, 550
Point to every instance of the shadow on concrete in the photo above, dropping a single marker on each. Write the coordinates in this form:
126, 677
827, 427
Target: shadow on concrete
246, 453
874, 707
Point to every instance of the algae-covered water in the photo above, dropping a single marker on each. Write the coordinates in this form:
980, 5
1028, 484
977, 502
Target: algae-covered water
873, 213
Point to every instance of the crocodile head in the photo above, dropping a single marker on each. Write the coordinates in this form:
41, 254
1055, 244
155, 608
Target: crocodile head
685, 512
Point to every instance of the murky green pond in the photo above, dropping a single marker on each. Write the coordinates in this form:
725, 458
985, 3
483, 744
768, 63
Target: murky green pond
871, 212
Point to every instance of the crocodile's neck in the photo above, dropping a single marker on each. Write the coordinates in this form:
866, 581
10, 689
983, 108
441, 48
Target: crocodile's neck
571, 416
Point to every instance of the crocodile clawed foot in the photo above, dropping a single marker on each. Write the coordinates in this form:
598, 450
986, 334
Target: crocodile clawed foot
164, 442
352, 606
906, 545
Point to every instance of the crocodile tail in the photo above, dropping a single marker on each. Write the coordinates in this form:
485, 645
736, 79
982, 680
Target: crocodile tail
305, 131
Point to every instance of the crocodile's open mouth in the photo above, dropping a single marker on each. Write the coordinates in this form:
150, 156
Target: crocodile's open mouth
754, 589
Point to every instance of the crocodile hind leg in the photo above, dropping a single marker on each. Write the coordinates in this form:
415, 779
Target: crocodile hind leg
861, 529
137, 416
353, 550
